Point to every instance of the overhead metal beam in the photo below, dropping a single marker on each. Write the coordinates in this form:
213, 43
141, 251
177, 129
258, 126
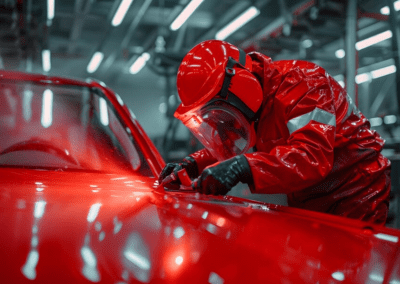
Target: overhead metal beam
380, 98
351, 54
125, 41
236, 9
394, 26
79, 19
276, 24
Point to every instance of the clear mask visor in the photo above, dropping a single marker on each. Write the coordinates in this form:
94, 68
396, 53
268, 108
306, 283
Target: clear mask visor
222, 129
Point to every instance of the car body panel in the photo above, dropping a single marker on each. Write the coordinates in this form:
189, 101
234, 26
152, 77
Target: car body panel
66, 226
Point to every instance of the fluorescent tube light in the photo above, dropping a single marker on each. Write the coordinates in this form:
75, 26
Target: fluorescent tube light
361, 78
47, 108
386, 11
46, 60
373, 40
95, 62
50, 9
185, 14
375, 121
121, 12
103, 112
383, 71
139, 63
240, 21
390, 119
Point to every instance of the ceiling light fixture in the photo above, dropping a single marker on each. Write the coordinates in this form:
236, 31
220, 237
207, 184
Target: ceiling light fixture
95, 62
340, 53
121, 12
139, 63
383, 71
237, 23
375, 121
185, 14
50, 9
46, 60
47, 108
364, 77
390, 119
373, 40
386, 11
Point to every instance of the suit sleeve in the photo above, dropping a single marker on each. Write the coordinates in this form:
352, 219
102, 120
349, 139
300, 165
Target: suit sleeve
306, 105
203, 159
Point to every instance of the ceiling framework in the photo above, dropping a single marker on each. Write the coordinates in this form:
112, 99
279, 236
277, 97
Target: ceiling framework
302, 29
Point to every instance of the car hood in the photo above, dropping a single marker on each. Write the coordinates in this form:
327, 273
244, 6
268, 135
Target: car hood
74, 227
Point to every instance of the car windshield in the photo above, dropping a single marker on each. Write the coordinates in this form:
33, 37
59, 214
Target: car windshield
63, 128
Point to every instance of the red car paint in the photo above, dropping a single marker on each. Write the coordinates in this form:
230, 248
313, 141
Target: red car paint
77, 226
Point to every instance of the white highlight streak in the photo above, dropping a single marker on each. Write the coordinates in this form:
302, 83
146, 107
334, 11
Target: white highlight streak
95, 62
139, 63
137, 259
103, 111
47, 108
240, 21
185, 14
39, 209
121, 12
46, 60
93, 212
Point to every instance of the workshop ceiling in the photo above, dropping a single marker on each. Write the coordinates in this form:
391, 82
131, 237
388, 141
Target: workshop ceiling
311, 30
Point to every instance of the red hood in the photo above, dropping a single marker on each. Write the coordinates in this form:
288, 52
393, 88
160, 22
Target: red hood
73, 227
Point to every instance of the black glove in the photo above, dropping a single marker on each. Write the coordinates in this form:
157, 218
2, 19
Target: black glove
187, 163
220, 179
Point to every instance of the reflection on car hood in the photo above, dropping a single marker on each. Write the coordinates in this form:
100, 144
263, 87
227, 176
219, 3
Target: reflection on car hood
69, 227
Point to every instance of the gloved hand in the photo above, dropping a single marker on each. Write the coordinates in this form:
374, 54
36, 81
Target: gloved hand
219, 178
187, 163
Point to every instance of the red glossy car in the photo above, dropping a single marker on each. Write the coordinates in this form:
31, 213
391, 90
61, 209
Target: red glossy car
78, 205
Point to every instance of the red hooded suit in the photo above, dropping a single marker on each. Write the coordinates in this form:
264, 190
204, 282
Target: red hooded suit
314, 145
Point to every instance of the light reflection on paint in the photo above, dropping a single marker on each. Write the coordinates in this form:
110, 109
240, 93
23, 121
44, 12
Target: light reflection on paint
220, 222
39, 209
29, 269
117, 225
26, 102
47, 108
338, 276
211, 228
179, 260
93, 212
205, 214
214, 278
376, 277
103, 111
102, 235
137, 259
89, 269
179, 232
34, 241
386, 237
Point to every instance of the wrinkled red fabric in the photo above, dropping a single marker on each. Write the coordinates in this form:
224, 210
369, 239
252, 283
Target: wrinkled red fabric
321, 167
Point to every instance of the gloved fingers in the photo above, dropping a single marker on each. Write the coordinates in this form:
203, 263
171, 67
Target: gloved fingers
169, 168
208, 184
197, 185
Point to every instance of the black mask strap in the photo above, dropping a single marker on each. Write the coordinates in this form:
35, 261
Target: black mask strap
230, 72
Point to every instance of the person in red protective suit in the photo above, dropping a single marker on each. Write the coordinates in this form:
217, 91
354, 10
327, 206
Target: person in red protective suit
309, 140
